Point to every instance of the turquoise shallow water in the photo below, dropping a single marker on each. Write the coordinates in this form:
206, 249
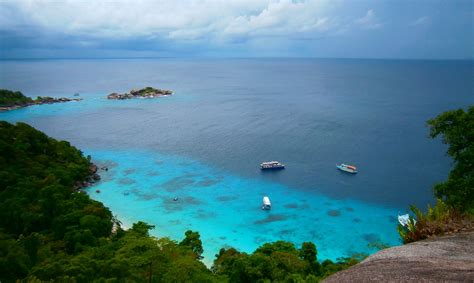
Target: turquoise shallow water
204, 143
226, 209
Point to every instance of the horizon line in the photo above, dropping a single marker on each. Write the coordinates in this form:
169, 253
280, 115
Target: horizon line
232, 57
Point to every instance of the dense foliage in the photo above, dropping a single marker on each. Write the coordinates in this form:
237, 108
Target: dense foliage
12, 98
51, 231
457, 129
48, 230
277, 262
454, 210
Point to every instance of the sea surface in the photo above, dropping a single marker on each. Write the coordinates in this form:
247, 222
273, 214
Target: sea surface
204, 143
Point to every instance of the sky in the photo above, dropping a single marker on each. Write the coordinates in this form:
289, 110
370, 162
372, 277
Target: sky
412, 29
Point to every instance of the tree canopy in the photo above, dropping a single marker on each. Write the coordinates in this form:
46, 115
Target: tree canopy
49, 230
11, 98
457, 129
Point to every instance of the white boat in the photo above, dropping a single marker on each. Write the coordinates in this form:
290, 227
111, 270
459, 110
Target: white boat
405, 219
271, 165
266, 203
347, 168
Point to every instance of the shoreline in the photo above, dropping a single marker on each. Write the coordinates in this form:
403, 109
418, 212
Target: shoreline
46, 100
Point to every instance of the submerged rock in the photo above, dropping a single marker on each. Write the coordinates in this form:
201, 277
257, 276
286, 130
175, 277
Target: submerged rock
334, 213
93, 168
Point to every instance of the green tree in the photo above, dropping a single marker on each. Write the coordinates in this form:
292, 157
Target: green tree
309, 253
225, 260
278, 246
142, 228
457, 129
187, 269
193, 241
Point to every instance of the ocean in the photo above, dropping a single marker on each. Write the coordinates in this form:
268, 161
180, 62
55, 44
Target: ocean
203, 145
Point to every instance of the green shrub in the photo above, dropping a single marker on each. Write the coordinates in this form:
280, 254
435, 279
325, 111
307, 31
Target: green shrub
438, 220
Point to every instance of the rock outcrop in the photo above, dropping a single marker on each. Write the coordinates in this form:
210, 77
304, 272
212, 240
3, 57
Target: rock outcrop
147, 92
438, 259
93, 178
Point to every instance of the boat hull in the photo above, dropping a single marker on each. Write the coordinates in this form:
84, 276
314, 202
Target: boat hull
272, 168
345, 169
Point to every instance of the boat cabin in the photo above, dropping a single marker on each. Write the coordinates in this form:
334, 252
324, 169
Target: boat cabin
266, 203
271, 165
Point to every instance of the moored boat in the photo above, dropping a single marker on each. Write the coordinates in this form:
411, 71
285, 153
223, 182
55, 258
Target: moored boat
347, 168
271, 165
404, 220
266, 203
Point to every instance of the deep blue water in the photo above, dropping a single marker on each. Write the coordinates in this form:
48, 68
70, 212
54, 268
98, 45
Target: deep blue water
204, 143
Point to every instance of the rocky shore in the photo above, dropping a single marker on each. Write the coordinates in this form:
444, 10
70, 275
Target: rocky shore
93, 177
447, 258
147, 92
38, 101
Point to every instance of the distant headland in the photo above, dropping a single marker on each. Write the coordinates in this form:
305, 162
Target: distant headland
147, 92
10, 100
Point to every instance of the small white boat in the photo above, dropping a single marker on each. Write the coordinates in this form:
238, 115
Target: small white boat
266, 203
347, 168
271, 165
404, 220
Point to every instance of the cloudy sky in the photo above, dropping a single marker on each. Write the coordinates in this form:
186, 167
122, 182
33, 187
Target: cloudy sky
432, 29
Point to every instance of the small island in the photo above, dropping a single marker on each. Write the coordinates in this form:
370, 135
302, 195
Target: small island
10, 100
147, 92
